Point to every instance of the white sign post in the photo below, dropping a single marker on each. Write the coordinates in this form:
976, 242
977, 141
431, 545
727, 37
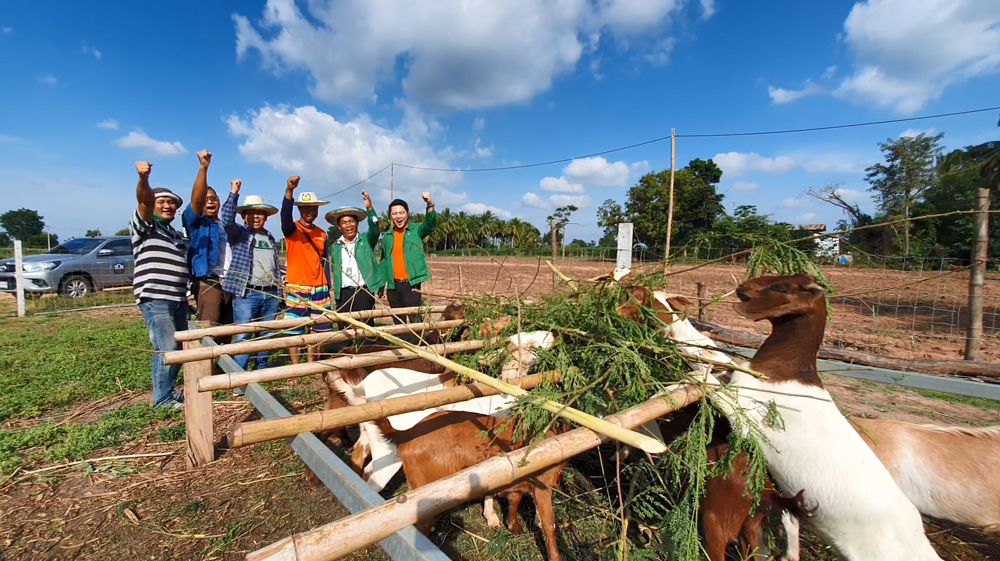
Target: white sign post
19, 277
624, 246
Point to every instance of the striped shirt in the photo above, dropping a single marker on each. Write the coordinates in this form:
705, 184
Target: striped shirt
161, 269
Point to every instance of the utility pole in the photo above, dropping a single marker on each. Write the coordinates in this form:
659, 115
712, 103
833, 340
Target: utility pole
670, 212
48, 241
392, 181
977, 275
555, 279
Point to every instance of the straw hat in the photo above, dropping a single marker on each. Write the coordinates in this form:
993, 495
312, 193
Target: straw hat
333, 217
254, 202
308, 198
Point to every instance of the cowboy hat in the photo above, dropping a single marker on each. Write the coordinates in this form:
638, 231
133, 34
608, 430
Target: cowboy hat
255, 202
333, 217
308, 198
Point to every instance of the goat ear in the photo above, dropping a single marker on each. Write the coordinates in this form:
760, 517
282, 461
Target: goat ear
680, 303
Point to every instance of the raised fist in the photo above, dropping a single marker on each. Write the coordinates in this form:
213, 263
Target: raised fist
293, 182
427, 198
143, 168
205, 158
234, 186
368, 200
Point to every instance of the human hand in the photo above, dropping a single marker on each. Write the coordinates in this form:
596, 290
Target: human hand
234, 186
368, 200
293, 182
143, 168
204, 158
427, 198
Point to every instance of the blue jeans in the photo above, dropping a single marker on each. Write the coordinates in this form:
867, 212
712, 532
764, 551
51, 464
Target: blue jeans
164, 318
255, 306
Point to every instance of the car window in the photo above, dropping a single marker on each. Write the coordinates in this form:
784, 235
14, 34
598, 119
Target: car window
76, 246
119, 247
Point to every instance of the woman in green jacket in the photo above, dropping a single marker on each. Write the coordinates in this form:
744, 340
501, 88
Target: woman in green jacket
403, 262
355, 275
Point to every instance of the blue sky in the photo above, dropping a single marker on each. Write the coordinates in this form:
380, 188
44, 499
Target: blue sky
334, 91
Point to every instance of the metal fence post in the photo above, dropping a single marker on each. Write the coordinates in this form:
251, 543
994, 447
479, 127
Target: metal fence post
19, 277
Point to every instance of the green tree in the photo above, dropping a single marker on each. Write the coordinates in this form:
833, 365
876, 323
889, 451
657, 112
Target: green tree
25, 225
609, 215
910, 169
697, 204
123, 232
561, 216
93, 234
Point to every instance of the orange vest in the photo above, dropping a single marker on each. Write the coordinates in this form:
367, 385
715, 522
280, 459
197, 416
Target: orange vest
304, 266
398, 258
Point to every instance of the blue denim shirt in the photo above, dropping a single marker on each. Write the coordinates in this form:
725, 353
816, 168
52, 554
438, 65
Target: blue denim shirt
207, 239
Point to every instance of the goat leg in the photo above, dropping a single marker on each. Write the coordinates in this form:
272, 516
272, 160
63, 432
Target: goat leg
547, 519
791, 524
513, 503
489, 511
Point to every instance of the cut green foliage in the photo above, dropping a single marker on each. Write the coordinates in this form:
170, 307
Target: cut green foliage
51, 362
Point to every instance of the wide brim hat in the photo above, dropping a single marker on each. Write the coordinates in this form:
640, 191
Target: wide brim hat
333, 217
254, 202
308, 198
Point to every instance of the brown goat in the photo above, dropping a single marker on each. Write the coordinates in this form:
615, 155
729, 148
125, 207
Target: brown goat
448, 442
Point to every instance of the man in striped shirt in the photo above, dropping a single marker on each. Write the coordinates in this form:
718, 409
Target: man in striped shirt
160, 282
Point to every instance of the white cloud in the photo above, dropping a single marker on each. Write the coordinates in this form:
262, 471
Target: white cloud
907, 52
738, 163
88, 50
598, 172
741, 186
807, 216
780, 96
582, 201
479, 208
8, 29
795, 203
830, 72
913, 133
707, 8
483, 151
139, 139
479, 124
852, 195
832, 162
533, 200
108, 124
47, 79
449, 48
560, 185
314, 144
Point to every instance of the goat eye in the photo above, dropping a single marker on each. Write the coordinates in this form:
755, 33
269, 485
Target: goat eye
779, 288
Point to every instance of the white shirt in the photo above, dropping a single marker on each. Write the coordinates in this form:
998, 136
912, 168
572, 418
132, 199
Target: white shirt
350, 275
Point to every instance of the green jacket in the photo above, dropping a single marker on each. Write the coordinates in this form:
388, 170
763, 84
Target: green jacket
364, 254
413, 250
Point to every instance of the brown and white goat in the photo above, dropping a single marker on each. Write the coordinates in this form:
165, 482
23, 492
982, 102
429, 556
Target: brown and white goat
858, 507
448, 442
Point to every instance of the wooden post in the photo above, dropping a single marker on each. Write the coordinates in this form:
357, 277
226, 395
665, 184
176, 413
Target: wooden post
338, 539
977, 275
198, 412
19, 277
235, 380
555, 279
271, 325
702, 301
245, 434
253, 347
670, 212
461, 282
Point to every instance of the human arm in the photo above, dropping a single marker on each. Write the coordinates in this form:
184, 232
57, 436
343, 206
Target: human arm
430, 217
144, 193
228, 212
287, 222
200, 189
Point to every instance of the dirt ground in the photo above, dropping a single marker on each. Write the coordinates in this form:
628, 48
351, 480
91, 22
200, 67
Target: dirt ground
880, 311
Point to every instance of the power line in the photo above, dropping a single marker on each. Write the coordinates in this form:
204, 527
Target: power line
707, 135
358, 183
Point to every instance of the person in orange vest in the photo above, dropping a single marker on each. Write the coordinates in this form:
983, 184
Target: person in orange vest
307, 269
